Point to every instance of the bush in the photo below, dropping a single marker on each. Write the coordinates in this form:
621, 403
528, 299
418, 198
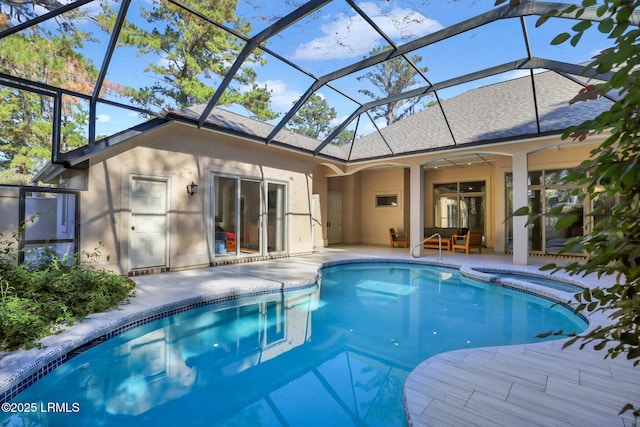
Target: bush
37, 300
19, 325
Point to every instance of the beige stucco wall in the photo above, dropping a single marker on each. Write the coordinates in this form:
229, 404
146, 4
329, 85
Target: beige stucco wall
181, 154
320, 190
376, 221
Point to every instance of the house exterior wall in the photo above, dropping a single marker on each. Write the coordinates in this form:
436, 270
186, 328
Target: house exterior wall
320, 190
180, 155
376, 221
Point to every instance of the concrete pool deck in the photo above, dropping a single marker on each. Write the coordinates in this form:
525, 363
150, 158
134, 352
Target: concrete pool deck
531, 384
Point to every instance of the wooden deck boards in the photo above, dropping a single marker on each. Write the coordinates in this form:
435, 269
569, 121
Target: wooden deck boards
525, 385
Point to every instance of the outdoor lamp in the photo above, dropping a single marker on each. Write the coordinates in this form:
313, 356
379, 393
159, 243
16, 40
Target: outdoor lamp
192, 188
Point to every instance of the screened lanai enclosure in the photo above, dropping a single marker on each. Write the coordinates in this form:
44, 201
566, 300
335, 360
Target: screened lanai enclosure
322, 77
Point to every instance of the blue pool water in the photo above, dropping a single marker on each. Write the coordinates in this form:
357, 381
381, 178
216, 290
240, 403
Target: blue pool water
333, 355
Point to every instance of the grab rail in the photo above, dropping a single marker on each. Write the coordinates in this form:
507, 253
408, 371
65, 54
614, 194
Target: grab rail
422, 243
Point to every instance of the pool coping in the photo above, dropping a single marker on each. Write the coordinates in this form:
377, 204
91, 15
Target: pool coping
47, 359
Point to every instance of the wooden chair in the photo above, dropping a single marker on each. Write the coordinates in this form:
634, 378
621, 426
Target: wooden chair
472, 240
398, 239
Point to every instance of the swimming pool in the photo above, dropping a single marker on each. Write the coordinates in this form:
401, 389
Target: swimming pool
337, 354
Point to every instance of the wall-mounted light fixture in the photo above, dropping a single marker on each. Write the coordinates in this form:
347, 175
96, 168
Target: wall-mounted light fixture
192, 188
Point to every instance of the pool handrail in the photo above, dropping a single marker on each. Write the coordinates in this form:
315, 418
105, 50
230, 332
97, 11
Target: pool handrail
422, 243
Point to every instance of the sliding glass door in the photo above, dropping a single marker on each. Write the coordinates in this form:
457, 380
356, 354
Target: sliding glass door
459, 205
546, 191
244, 225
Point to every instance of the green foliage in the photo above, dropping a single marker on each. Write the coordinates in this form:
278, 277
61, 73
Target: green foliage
346, 136
611, 173
9, 177
194, 51
26, 117
19, 325
393, 77
314, 118
38, 299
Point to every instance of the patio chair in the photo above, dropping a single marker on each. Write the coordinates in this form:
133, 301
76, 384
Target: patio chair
471, 240
227, 238
398, 239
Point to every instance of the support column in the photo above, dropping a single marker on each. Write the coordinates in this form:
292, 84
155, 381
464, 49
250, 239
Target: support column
416, 209
520, 192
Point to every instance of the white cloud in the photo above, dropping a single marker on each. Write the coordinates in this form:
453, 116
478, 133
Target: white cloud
282, 97
350, 36
103, 118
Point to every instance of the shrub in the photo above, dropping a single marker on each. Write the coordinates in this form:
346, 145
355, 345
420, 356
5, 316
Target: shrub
19, 325
37, 300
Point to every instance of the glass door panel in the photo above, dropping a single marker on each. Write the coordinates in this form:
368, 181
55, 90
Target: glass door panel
249, 217
275, 217
562, 198
225, 197
536, 229
472, 208
447, 212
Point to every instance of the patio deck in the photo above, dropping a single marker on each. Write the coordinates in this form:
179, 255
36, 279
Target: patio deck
532, 384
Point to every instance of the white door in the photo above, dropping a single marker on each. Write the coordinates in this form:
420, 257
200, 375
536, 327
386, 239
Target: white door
334, 220
148, 235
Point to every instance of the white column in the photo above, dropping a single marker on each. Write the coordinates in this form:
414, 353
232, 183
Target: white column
520, 199
416, 208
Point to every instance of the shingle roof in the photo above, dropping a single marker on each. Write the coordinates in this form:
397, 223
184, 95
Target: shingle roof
488, 114
235, 123
493, 113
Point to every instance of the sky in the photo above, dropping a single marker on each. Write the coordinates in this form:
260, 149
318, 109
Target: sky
336, 36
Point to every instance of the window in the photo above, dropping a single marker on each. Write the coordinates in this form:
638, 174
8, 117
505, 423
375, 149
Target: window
459, 205
546, 190
386, 200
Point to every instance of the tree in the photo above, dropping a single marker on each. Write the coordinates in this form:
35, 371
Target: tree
392, 77
314, 118
193, 50
51, 55
611, 173
26, 117
20, 10
346, 136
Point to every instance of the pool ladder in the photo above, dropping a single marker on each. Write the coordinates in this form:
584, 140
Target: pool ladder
422, 243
